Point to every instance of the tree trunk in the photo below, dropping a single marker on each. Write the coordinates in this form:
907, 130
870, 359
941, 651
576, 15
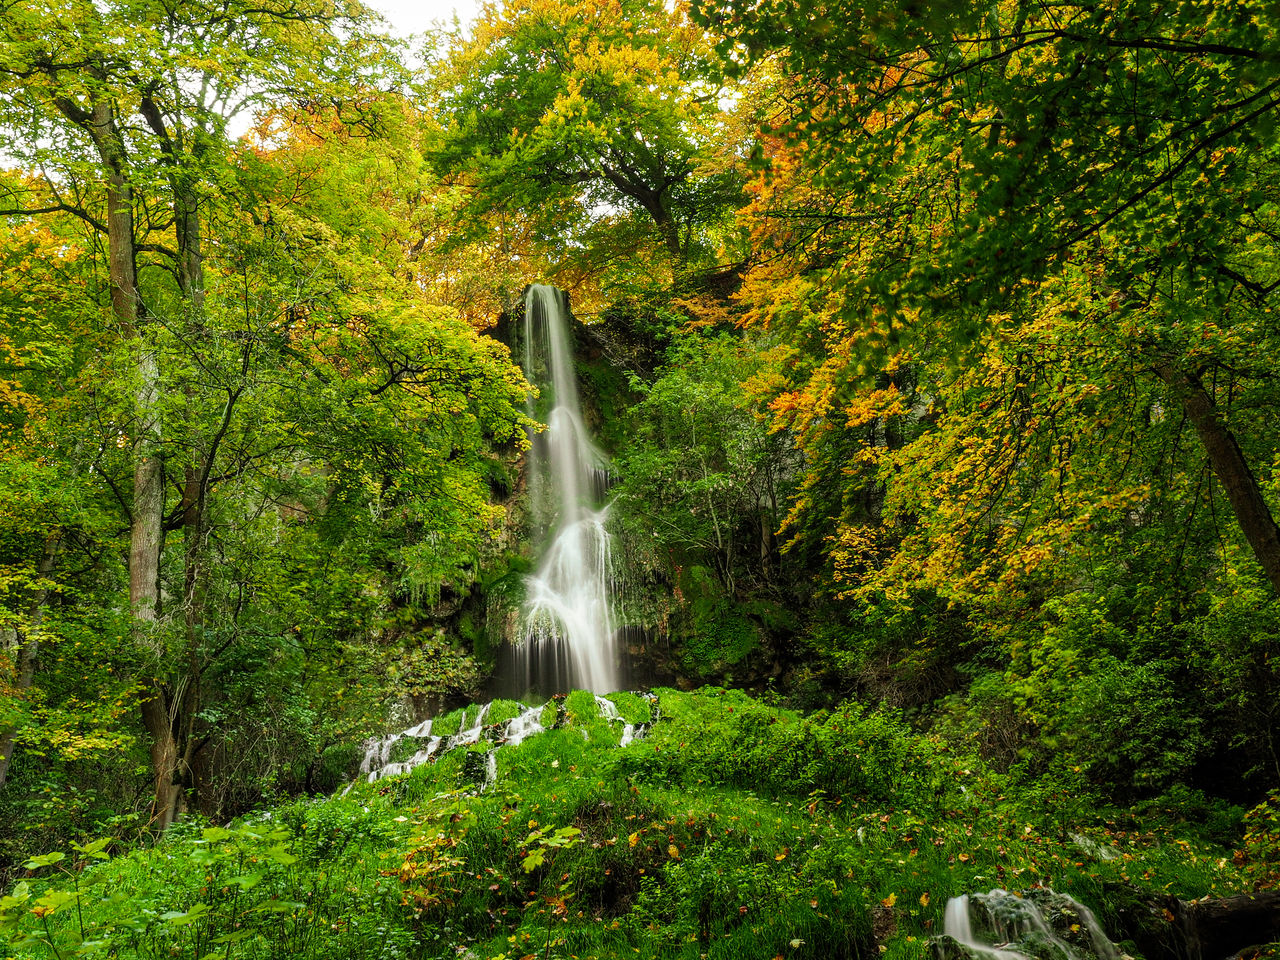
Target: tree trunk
29, 646
1166, 928
158, 716
1230, 466
100, 123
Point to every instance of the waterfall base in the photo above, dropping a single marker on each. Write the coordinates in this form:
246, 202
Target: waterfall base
480, 766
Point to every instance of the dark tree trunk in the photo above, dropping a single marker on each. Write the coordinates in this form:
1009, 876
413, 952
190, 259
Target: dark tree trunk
1232, 469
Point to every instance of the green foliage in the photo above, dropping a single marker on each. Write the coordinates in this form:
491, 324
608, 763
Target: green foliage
719, 634
585, 849
1261, 846
990, 344
562, 110
732, 740
700, 469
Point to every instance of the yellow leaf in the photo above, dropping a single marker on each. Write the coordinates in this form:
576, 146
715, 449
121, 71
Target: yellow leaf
673, 852
924, 899
633, 839
890, 900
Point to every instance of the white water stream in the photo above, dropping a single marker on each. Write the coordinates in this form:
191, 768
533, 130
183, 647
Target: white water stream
568, 634
1001, 925
473, 728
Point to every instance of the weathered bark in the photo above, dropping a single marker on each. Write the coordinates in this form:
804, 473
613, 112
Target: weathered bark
29, 644
1166, 928
1230, 466
100, 122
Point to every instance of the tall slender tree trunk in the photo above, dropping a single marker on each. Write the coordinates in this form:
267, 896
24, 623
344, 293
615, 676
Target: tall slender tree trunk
146, 527
29, 644
1229, 464
170, 713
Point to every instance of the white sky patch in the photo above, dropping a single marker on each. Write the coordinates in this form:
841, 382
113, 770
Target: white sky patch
413, 17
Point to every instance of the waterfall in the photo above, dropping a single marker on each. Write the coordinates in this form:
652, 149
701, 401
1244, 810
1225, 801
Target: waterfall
1001, 925
568, 636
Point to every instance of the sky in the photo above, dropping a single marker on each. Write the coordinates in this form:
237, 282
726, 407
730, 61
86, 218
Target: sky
415, 16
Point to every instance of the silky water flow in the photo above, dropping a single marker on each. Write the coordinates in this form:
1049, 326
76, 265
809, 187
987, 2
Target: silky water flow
568, 636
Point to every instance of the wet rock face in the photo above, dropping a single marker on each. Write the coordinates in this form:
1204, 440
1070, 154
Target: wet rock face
1039, 924
1162, 927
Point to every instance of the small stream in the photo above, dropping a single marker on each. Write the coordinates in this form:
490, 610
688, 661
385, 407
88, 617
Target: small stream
474, 727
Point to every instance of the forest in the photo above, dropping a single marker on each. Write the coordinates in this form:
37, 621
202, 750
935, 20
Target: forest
883, 394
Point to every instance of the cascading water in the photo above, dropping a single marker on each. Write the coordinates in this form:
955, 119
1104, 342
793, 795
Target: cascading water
1001, 925
568, 634
481, 766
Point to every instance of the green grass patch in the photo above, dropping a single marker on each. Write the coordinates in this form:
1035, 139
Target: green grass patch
734, 831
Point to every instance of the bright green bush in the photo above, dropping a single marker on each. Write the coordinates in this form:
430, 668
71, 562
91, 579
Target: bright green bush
730, 739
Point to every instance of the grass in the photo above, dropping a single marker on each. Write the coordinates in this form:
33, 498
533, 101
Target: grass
734, 830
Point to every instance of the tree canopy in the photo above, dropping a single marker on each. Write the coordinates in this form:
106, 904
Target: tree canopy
930, 353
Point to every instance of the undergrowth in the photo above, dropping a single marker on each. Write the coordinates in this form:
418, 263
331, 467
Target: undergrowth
733, 830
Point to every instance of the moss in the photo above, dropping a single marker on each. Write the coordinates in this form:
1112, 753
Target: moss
500, 711
632, 707
717, 632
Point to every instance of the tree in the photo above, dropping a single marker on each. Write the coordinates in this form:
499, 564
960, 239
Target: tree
973, 153
701, 474
574, 113
224, 351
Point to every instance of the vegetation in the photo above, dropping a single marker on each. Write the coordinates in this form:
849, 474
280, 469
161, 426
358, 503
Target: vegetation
933, 351
734, 830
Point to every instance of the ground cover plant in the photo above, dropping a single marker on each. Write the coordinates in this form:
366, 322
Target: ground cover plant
734, 829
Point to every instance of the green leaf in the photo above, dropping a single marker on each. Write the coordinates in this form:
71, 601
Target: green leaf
95, 849
234, 937
278, 854
247, 881
55, 900
45, 859
195, 912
